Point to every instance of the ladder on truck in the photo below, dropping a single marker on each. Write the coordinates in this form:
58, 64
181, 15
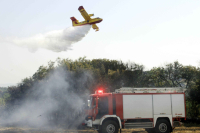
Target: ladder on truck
151, 90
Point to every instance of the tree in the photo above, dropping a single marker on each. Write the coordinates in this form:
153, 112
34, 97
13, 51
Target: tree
172, 75
189, 74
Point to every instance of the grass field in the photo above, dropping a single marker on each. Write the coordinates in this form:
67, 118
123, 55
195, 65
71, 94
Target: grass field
32, 130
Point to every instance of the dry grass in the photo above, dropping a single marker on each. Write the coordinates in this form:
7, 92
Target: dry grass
33, 130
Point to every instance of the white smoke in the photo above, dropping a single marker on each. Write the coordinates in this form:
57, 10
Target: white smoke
57, 41
51, 100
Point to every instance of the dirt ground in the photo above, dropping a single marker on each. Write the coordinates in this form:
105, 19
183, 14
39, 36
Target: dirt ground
32, 130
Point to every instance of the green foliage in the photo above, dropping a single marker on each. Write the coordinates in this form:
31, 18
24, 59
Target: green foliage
194, 93
174, 75
168, 76
192, 108
190, 74
3, 89
4, 96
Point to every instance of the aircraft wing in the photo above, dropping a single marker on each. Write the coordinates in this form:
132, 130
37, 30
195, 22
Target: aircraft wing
84, 13
95, 27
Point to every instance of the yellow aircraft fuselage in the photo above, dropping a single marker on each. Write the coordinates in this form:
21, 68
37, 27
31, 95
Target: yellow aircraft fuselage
88, 19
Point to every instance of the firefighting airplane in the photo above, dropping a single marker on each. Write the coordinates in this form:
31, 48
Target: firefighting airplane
88, 19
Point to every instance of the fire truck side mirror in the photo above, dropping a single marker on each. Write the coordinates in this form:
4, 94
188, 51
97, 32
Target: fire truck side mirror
89, 103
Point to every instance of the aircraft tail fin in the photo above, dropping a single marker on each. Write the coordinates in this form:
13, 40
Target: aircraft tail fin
74, 21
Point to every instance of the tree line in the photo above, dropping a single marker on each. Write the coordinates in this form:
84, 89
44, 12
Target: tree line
110, 75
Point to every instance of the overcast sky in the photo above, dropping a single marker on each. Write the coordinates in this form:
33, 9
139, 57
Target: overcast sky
151, 33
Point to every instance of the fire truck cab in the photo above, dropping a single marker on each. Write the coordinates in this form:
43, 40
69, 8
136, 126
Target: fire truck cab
155, 109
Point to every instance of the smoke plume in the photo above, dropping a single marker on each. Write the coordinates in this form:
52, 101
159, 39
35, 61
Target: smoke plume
57, 41
56, 100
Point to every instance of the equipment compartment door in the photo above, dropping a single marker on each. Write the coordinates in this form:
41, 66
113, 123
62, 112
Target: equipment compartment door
162, 104
178, 105
137, 106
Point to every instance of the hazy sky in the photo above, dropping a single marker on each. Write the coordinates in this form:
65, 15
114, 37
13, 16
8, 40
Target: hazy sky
151, 33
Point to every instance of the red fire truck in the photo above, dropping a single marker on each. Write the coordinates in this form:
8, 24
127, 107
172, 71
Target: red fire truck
155, 109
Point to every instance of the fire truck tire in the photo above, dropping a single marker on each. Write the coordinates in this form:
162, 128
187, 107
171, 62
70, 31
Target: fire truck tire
110, 127
163, 126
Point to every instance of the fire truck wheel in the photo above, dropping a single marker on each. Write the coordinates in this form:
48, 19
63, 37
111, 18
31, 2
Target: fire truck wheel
162, 126
110, 127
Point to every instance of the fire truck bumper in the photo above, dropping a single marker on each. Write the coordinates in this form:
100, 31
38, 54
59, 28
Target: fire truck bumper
88, 123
